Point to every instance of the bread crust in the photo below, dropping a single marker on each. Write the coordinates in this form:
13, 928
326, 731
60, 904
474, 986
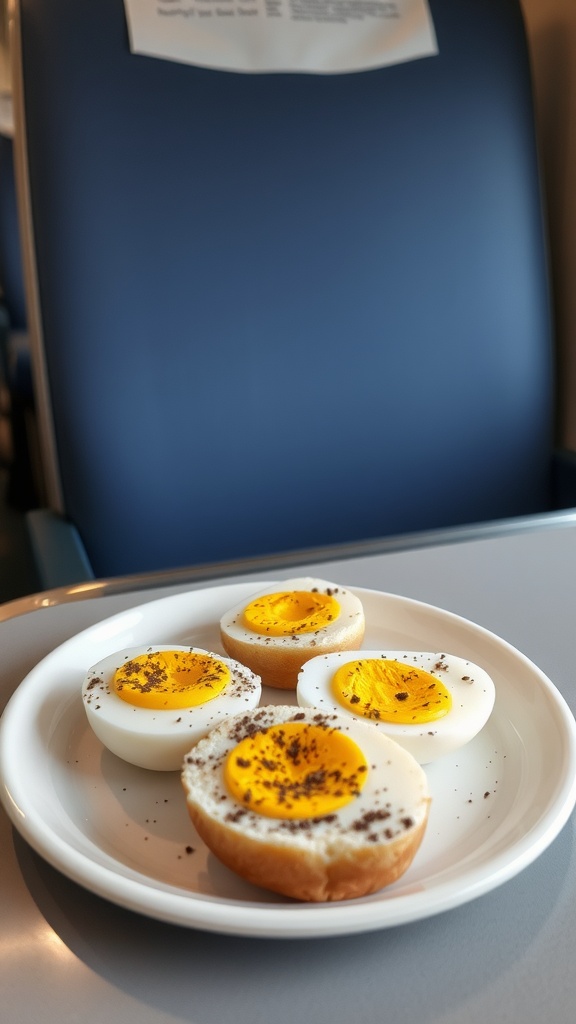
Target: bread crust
305, 874
278, 666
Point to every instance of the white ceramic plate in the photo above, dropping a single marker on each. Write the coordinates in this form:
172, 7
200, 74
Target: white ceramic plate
124, 833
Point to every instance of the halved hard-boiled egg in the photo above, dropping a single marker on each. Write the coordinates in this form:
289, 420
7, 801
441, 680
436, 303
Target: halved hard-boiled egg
276, 630
150, 705
431, 704
314, 806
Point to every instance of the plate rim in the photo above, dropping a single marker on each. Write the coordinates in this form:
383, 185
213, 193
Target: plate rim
268, 920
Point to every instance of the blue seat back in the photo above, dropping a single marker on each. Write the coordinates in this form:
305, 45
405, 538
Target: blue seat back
283, 310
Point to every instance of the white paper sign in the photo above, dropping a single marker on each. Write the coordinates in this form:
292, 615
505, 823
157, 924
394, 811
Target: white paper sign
319, 36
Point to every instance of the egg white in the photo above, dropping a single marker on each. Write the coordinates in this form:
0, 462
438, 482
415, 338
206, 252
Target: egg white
396, 786
472, 690
351, 614
159, 739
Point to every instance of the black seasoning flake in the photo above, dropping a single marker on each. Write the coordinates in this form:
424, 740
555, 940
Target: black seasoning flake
362, 824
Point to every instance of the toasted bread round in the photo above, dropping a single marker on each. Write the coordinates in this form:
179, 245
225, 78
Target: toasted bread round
348, 851
281, 627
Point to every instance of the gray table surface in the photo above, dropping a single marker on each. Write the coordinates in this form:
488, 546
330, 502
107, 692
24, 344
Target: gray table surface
69, 956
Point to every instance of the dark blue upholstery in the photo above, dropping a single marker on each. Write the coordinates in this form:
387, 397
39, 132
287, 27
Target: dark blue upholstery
15, 370
11, 277
287, 310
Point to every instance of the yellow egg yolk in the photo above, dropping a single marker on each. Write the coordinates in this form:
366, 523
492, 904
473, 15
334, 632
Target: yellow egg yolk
167, 680
390, 691
295, 770
289, 612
